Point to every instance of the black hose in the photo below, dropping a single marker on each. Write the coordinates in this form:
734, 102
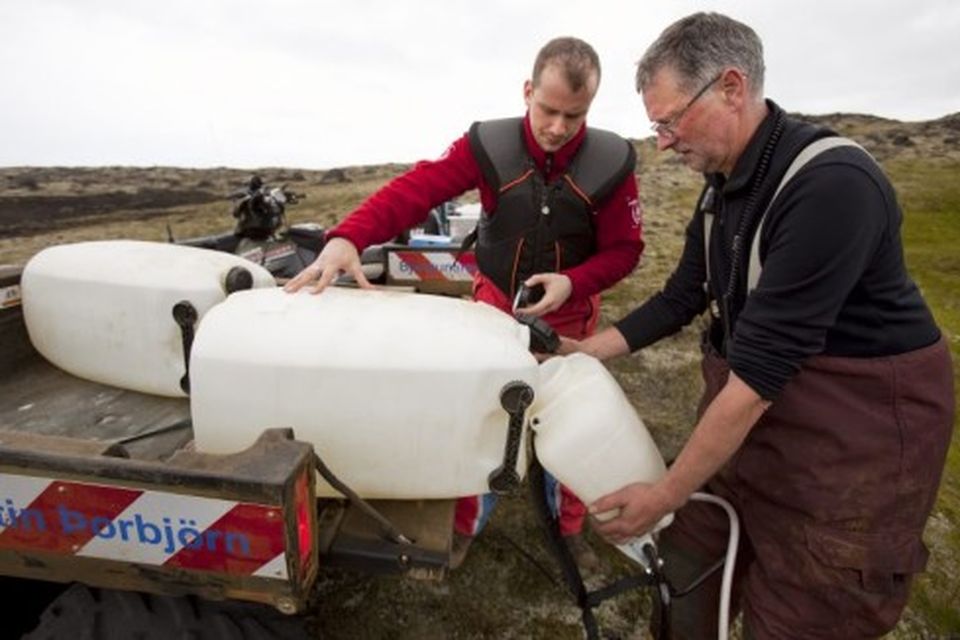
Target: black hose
532, 560
568, 566
716, 566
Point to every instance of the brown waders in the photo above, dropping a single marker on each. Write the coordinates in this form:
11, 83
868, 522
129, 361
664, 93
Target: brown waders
833, 486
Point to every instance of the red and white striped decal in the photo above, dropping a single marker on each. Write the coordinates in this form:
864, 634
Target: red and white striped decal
144, 527
432, 265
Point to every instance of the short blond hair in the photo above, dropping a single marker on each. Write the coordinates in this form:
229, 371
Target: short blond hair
576, 58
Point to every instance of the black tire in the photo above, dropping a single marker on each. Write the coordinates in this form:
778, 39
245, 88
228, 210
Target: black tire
31, 598
86, 613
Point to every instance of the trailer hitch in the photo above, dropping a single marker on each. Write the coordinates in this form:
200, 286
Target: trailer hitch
515, 397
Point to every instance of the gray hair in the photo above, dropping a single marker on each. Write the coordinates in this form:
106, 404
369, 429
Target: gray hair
697, 48
577, 59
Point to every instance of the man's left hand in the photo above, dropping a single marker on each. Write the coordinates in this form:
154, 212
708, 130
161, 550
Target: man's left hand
556, 290
638, 507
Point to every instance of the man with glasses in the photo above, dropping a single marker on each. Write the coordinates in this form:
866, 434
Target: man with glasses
667, 129
561, 215
828, 403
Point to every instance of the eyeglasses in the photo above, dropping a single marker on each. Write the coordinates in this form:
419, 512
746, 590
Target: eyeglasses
668, 129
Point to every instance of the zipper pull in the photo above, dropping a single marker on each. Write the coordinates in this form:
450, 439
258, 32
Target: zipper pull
547, 167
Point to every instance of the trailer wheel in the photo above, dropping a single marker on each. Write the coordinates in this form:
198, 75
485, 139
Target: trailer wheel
86, 613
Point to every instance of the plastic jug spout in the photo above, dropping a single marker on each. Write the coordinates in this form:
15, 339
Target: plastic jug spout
641, 550
637, 548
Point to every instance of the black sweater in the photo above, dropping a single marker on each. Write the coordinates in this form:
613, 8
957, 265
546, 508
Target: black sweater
834, 280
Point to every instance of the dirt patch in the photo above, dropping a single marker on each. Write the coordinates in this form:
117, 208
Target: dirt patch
509, 587
26, 215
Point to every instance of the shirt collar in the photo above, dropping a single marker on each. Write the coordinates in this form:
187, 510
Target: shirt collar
561, 157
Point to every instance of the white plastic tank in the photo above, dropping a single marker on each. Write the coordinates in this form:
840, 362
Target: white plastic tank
398, 392
588, 435
103, 310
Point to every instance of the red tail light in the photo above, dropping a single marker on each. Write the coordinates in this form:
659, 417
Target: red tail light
306, 517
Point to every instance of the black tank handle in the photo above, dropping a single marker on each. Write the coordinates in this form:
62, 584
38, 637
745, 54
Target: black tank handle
515, 397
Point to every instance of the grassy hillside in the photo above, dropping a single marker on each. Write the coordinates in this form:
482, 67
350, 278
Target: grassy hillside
929, 191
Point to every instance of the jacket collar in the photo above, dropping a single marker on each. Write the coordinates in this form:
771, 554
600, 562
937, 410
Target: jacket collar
561, 157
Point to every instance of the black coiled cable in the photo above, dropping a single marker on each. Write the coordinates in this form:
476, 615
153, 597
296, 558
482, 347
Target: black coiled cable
746, 221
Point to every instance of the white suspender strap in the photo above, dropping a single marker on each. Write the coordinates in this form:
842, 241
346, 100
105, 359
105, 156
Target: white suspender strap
809, 152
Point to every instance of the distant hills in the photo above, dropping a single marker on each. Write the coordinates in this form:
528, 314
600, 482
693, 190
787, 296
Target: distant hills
36, 200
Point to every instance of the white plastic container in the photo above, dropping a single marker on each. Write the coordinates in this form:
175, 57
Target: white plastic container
589, 436
104, 310
398, 392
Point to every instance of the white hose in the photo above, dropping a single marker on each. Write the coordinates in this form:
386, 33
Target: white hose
726, 583
633, 549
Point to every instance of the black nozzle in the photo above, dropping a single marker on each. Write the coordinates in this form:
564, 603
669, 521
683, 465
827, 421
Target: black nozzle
543, 337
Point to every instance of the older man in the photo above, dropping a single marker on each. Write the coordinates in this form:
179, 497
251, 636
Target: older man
829, 390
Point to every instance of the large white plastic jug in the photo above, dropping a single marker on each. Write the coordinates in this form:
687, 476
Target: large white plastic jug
104, 310
588, 435
398, 392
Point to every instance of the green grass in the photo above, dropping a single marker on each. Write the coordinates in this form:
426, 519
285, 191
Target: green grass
929, 193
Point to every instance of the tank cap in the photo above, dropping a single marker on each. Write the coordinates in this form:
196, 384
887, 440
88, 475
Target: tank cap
238, 279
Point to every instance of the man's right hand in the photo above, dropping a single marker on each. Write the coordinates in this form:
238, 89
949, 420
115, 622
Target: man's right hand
339, 255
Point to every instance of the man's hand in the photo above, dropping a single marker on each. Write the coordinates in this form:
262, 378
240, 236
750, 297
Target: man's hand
638, 507
556, 290
721, 430
338, 256
568, 346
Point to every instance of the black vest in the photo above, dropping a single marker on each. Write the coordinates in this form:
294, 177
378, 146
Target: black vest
536, 226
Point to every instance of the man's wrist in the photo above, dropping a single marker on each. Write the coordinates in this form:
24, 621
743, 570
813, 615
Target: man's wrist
333, 234
672, 492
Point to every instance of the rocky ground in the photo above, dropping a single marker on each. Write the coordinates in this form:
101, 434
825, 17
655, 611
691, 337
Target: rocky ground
508, 586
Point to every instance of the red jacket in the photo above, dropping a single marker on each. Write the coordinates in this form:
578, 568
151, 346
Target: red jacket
407, 199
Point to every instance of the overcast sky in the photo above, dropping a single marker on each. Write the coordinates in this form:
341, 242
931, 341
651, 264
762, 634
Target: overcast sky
317, 84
